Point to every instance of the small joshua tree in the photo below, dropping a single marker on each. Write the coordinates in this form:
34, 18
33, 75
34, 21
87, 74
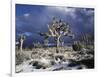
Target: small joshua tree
86, 39
57, 29
21, 41
46, 41
46, 36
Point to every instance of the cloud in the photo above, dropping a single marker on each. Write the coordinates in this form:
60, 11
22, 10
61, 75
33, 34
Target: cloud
28, 23
27, 33
26, 14
63, 10
88, 12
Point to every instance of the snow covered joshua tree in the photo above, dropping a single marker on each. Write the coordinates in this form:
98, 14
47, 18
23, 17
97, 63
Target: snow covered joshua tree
21, 40
57, 29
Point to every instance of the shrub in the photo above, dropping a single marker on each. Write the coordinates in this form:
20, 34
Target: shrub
20, 57
38, 45
77, 46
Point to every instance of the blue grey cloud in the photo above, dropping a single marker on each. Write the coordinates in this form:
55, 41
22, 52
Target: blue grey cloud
33, 18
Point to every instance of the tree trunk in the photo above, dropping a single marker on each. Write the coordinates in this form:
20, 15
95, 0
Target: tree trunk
57, 44
46, 42
21, 45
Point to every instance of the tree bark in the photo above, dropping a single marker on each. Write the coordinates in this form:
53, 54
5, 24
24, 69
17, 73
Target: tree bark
46, 42
57, 44
21, 45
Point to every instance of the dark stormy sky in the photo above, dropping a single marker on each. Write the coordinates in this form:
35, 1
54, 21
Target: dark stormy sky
31, 19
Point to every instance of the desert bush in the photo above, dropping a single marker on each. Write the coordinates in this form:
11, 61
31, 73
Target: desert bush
77, 46
20, 57
90, 47
38, 45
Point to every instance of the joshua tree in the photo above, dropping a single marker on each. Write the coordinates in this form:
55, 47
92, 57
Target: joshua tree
46, 36
86, 38
21, 40
57, 29
46, 41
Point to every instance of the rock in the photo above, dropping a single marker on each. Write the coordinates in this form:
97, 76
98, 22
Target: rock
72, 63
67, 55
57, 69
59, 56
89, 63
41, 63
35, 63
52, 62
44, 67
38, 66
19, 71
79, 67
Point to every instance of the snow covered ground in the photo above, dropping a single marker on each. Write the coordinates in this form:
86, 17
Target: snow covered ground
26, 67
47, 60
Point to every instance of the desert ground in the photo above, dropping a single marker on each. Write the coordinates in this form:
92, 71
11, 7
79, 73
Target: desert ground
46, 59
